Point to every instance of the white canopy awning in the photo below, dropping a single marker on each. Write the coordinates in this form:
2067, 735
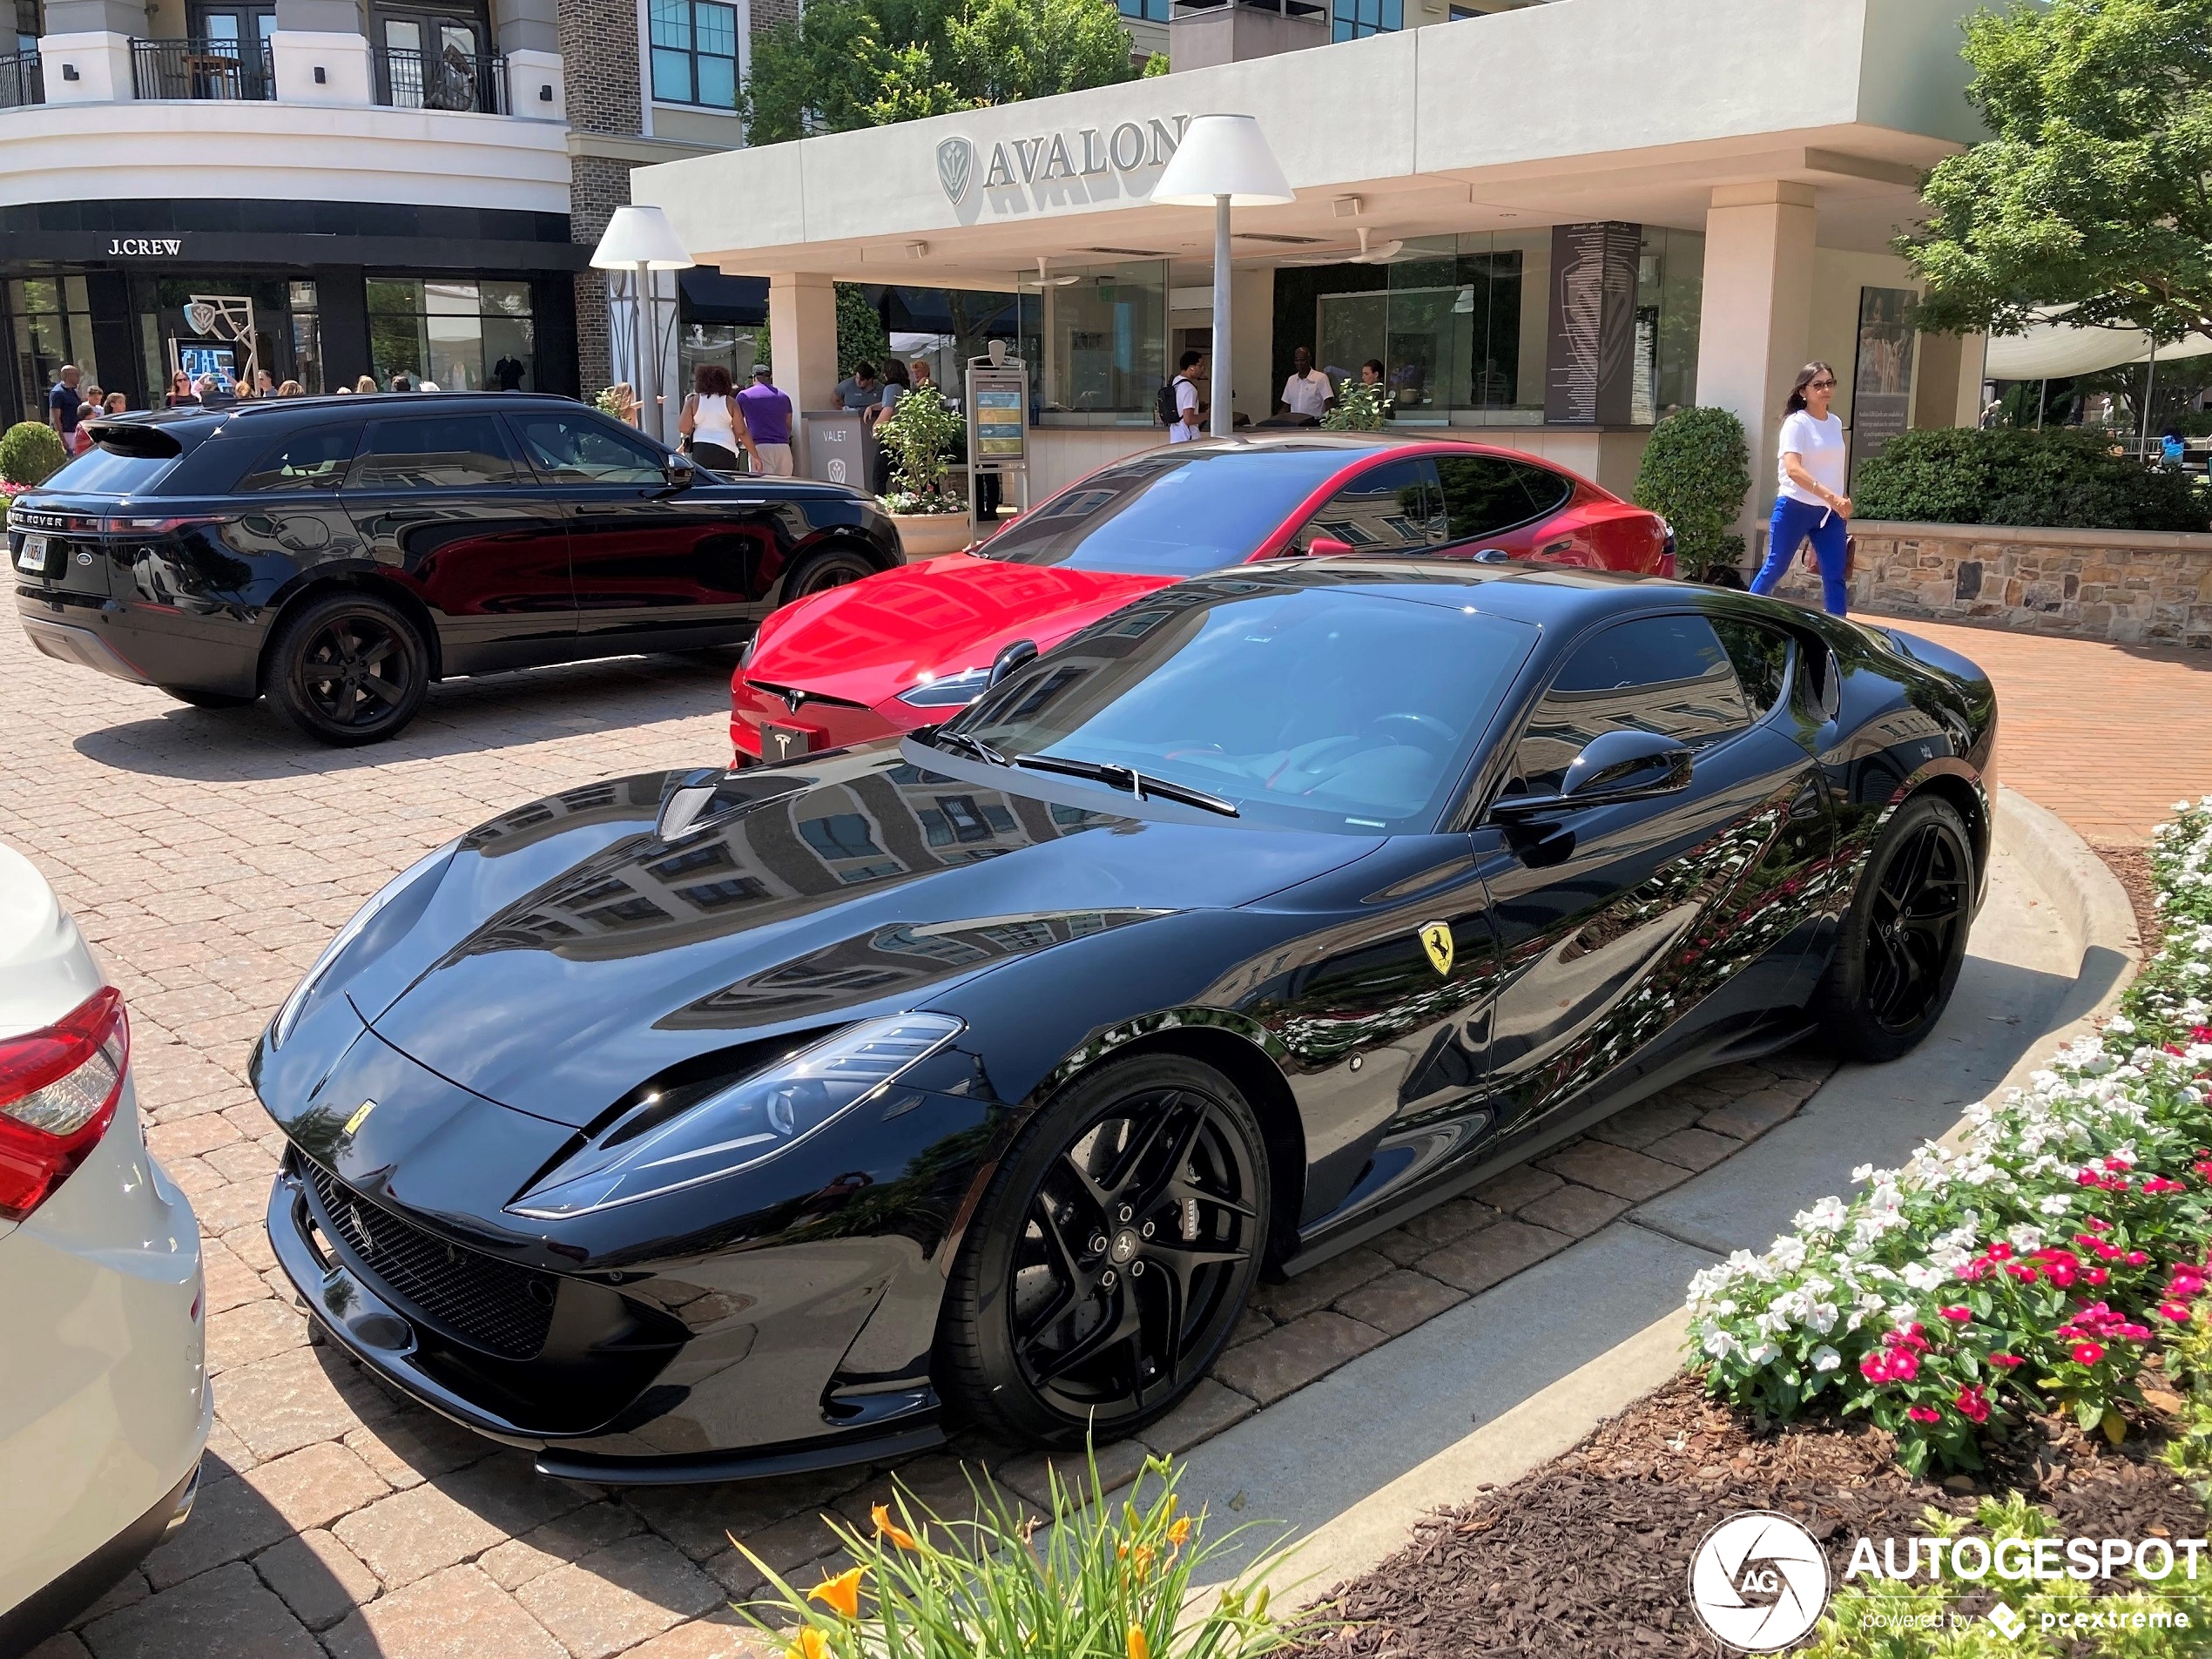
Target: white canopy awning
2054, 349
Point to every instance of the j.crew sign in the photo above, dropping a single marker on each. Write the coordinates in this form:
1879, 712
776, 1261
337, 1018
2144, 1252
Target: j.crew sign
1080, 152
146, 247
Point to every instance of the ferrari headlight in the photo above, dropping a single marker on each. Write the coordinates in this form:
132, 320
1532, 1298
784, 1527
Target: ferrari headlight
303, 993
745, 1124
954, 691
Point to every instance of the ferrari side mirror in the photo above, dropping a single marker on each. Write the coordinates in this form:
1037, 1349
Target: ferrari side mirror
1019, 655
1615, 766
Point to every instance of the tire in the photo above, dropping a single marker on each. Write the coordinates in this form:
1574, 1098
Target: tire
833, 567
205, 699
347, 669
1904, 937
1102, 1274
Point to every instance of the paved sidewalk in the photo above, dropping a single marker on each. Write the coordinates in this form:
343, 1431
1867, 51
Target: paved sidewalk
2107, 736
209, 856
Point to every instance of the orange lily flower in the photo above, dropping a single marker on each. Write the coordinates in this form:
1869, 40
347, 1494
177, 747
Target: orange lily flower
1139, 1647
841, 1595
812, 1644
1179, 1534
891, 1528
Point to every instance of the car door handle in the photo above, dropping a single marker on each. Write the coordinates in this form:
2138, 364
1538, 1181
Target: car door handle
1550, 547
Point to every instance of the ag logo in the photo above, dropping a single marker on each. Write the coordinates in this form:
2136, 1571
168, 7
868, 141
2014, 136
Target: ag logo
956, 166
1436, 940
1759, 1582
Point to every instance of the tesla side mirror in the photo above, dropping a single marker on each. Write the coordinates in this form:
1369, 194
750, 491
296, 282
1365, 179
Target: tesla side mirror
1019, 655
1493, 556
680, 470
1323, 547
1615, 766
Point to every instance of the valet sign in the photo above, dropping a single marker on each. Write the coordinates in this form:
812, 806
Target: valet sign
1066, 157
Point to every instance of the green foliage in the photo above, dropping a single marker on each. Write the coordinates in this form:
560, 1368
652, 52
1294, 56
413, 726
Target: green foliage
1695, 471
1155, 66
2090, 190
860, 338
1097, 1581
31, 453
1926, 1617
848, 63
1358, 407
918, 434
2058, 477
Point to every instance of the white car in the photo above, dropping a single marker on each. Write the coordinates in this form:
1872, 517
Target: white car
104, 1405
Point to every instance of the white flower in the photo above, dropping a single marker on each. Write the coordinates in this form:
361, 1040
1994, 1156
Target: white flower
1825, 1217
1822, 1318
1918, 1276
1765, 1354
2056, 1203
1719, 1343
1825, 1359
1787, 1253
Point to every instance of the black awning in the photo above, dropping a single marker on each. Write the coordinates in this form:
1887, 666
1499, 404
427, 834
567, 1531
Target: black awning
712, 296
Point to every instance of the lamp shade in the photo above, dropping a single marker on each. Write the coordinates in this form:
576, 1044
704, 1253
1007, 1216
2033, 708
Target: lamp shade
1222, 155
639, 236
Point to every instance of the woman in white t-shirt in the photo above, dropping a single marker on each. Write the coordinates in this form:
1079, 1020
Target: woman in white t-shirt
1810, 503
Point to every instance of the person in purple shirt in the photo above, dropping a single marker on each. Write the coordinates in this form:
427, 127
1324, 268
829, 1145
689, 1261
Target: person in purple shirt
766, 413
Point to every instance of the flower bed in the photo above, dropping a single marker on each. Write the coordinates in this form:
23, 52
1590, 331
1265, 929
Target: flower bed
2028, 1271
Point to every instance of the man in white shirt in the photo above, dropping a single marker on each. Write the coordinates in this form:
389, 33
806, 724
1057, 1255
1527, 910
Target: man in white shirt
1309, 391
1189, 412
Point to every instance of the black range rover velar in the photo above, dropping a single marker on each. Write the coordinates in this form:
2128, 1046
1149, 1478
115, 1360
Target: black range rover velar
703, 1124
339, 553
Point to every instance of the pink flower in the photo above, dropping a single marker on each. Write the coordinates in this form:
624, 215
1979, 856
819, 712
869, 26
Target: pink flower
2136, 1257
1875, 1368
2177, 1312
1924, 1413
2088, 1353
2009, 1361
1974, 1404
2097, 1275
1957, 1316
1904, 1364
2094, 1225
2162, 1183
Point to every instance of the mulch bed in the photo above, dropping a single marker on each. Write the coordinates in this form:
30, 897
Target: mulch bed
1589, 1555
2132, 866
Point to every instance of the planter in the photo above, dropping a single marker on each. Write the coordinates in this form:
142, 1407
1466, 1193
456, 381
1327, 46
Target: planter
925, 535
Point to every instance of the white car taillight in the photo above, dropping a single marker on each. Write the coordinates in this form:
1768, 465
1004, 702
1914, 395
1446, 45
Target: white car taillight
58, 1087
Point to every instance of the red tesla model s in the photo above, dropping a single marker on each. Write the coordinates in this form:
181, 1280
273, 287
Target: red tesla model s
908, 647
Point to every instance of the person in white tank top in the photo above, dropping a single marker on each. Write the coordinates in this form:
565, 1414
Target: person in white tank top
710, 420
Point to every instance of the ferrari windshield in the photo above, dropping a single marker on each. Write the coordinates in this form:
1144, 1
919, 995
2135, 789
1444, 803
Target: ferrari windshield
1350, 709
1172, 511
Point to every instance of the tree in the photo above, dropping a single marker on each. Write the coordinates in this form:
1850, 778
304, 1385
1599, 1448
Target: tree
849, 63
860, 337
2092, 189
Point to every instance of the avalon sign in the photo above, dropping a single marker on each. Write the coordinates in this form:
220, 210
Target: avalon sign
1082, 153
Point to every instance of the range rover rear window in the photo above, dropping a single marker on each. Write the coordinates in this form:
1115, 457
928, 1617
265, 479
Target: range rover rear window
116, 465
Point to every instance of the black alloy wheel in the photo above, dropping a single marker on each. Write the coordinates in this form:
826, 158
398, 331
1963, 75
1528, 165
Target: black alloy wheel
348, 669
836, 567
1904, 937
1113, 1255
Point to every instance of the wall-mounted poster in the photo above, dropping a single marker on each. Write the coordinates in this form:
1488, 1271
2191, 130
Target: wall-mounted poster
1881, 398
1589, 379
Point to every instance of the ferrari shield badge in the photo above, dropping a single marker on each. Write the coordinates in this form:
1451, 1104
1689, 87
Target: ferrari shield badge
1436, 940
361, 1111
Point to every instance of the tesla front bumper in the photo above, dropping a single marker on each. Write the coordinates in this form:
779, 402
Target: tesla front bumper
765, 726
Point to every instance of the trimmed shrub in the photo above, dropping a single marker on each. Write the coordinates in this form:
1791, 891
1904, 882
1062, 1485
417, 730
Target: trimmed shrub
2061, 477
31, 453
1695, 473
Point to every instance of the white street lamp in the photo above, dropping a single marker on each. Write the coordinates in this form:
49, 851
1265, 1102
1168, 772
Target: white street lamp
1224, 162
641, 240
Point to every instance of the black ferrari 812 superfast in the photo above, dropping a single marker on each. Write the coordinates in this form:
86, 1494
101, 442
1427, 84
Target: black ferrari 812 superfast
712, 1124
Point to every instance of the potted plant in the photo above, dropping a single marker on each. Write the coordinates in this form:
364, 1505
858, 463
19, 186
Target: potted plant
917, 435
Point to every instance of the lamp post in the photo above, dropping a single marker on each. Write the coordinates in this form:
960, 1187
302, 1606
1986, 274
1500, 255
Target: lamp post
641, 240
1224, 162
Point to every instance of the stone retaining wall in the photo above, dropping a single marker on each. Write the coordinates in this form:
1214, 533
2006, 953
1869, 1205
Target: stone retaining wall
2135, 587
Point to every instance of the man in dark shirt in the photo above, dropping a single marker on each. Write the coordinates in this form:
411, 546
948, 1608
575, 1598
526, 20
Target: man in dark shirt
61, 403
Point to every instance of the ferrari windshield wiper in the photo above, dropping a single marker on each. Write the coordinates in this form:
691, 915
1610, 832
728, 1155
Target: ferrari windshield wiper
1129, 779
938, 738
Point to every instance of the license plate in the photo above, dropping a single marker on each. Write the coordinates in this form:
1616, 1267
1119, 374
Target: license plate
786, 742
31, 556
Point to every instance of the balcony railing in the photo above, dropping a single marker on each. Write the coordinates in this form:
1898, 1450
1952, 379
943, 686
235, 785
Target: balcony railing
449, 80
21, 80
201, 68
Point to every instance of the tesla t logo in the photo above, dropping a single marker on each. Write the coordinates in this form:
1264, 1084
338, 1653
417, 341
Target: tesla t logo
360, 1116
1436, 940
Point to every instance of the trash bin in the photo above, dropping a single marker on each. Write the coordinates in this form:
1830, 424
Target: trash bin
836, 448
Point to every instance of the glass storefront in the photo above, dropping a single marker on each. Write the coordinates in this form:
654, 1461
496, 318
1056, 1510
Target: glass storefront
1097, 345
51, 321
460, 334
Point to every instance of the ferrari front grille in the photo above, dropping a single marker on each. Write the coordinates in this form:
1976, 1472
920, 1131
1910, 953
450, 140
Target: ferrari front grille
496, 1305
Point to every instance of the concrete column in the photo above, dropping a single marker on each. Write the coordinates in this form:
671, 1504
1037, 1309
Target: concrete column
88, 68
1251, 375
1946, 383
802, 338
527, 25
322, 17
319, 68
65, 18
1754, 329
536, 85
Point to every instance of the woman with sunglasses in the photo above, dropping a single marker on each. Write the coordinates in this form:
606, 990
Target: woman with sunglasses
1810, 503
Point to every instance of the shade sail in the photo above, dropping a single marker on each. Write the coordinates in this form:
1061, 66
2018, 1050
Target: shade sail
2055, 350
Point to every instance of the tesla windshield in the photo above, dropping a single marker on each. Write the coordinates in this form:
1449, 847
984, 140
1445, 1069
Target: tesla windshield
1346, 709
1169, 513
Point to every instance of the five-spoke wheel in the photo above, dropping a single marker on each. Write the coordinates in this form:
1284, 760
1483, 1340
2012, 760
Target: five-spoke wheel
1905, 936
348, 669
1113, 1255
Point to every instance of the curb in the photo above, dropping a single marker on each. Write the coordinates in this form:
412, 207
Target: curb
2095, 909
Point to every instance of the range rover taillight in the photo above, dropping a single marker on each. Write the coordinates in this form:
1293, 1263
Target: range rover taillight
58, 1087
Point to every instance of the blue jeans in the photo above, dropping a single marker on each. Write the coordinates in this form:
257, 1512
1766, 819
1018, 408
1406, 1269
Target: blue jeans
1795, 521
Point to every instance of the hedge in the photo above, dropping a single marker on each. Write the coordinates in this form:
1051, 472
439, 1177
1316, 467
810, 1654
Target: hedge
2061, 477
1694, 474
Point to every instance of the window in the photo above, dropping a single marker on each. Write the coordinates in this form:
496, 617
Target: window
1146, 11
695, 53
1762, 659
1390, 509
1099, 344
434, 452
841, 835
306, 338
1357, 19
311, 460
1663, 674
52, 321
1484, 494
456, 336
576, 449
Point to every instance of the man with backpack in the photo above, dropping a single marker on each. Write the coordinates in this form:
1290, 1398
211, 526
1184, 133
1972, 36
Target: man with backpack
1177, 403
